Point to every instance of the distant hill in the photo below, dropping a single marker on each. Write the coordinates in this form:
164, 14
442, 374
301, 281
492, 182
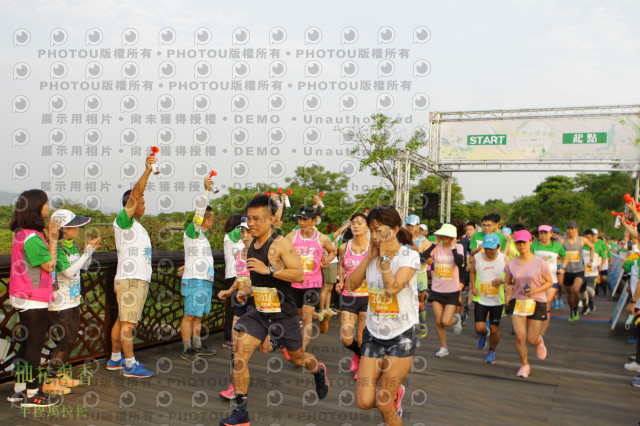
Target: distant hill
6, 199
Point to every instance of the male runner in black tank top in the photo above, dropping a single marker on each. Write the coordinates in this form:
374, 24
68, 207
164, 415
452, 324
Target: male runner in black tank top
273, 264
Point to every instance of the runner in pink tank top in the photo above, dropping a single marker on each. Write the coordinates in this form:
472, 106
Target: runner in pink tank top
354, 304
310, 245
310, 252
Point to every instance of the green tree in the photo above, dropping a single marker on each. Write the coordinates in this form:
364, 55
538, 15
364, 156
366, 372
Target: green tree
377, 147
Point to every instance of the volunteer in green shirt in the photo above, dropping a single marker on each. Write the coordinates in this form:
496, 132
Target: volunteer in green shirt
64, 311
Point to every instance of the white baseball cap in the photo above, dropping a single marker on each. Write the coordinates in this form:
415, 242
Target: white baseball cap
69, 219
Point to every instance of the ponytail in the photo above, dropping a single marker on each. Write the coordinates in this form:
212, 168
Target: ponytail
404, 236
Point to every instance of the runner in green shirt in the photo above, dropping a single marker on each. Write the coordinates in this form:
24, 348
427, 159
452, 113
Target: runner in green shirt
489, 225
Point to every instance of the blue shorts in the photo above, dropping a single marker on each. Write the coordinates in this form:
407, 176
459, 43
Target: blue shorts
197, 296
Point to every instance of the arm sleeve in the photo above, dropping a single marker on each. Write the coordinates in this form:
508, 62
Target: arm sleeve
72, 270
88, 251
457, 258
425, 255
36, 251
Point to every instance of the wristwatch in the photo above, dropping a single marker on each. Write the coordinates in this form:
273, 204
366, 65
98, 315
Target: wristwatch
385, 259
272, 271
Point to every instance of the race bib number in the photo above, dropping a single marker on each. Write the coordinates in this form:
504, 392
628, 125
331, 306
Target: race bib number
489, 289
307, 263
444, 271
381, 304
243, 283
573, 256
74, 289
360, 291
524, 307
266, 299
210, 273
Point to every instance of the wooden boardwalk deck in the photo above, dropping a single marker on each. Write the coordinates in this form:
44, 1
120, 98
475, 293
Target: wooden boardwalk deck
582, 382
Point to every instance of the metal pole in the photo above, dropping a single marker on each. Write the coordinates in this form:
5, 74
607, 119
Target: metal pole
637, 184
407, 180
449, 179
442, 199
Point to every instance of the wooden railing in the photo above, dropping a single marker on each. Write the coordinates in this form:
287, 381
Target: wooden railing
160, 322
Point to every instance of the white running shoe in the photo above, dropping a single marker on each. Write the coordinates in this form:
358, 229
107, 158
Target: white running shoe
457, 327
632, 366
442, 352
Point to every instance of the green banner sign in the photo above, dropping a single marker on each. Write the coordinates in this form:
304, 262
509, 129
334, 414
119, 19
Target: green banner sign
478, 140
584, 138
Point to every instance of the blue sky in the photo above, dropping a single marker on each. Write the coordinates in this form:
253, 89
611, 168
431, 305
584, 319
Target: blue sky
483, 55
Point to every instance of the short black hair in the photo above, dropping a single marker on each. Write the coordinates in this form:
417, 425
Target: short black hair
518, 227
125, 197
472, 223
489, 218
588, 232
262, 200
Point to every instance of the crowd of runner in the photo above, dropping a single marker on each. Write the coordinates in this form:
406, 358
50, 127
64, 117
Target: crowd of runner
384, 270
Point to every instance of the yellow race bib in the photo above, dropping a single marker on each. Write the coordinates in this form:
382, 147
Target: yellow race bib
573, 256
444, 271
243, 283
489, 289
524, 307
307, 262
266, 299
381, 304
360, 291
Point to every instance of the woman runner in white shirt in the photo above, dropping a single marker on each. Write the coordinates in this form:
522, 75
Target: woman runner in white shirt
389, 339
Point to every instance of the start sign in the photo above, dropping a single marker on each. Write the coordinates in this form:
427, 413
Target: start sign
477, 140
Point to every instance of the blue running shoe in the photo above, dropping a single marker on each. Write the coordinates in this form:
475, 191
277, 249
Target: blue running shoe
322, 383
482, 342
237, 418
116, 365
491, 357
137, 370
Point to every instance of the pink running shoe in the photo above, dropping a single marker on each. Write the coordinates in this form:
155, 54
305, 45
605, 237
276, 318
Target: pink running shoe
355, 362
229, 394
524, 371
541, 350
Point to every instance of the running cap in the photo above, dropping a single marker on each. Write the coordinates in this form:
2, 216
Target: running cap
595, 231
505, 230
412, 220
572, 224
545, 228
447, 230
424, 227
490, 241
69, 219
555, 229
523, 235
308, 212
243, 223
